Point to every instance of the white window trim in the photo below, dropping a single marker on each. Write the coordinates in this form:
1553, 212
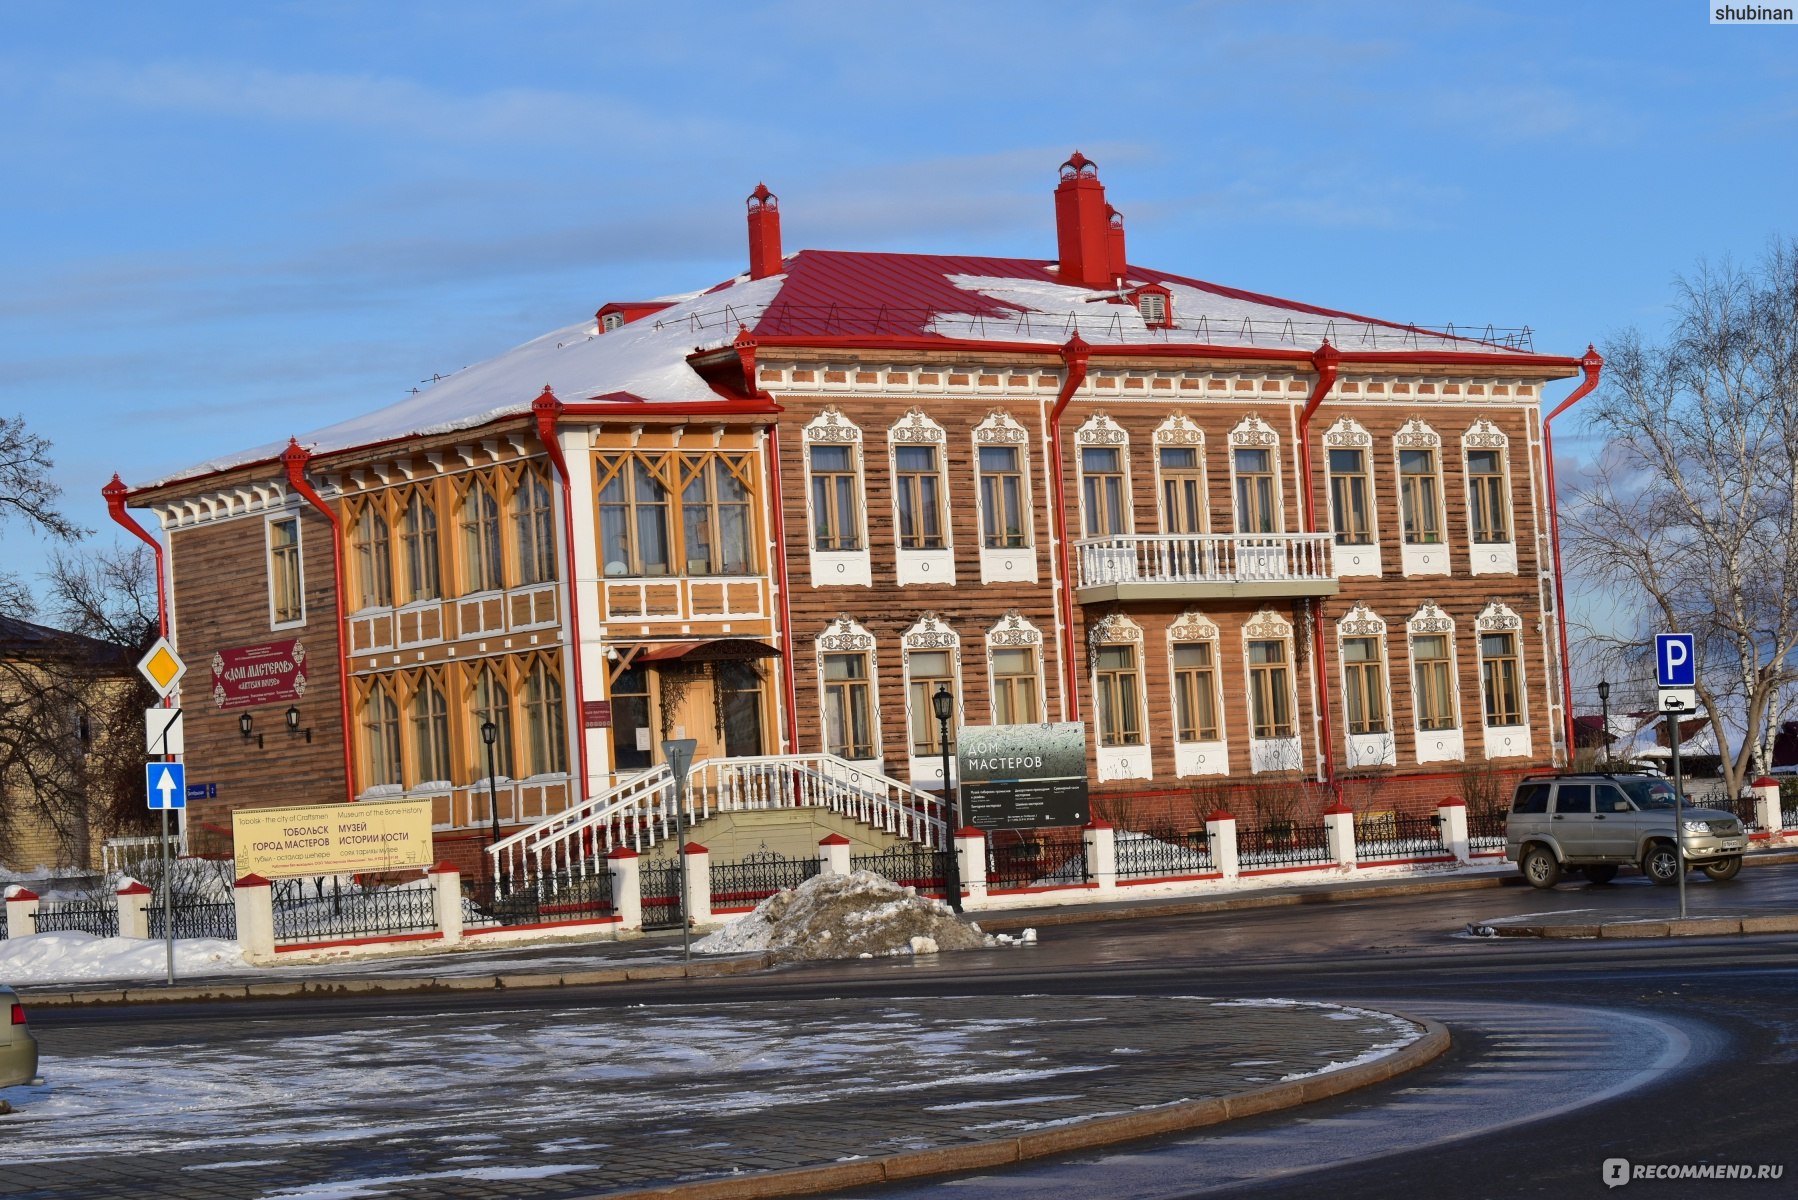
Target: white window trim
1252, 433
931, 634
916, 428
299, 559
1504, 741
1490, 558
1012, 632
1432, 559
1120, 762
845, 635
837, 568
1353, 561
1005, 564
1272, 754
1444, 745
1198, 758
1101, 432
1180, 432
1366, 749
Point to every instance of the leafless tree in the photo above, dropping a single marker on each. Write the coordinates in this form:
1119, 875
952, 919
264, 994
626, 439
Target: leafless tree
27, 494
1691, 522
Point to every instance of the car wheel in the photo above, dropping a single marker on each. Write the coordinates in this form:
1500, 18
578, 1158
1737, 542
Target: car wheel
1601, 873
1540, 868
1661, 864
1723, 869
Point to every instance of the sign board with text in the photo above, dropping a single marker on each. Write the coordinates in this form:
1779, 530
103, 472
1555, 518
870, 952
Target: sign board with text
268, 673
1023, 776
332, 839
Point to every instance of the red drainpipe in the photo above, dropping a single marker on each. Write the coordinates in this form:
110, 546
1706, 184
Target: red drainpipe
115, 493
1325, 360
1591, 364
785, 613
548, 410
1073, 356
295, 458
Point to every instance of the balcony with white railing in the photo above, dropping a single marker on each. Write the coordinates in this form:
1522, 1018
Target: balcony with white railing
1190, 566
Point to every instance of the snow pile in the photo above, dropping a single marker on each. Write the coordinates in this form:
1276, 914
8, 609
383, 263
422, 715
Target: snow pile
66, 957
845, 916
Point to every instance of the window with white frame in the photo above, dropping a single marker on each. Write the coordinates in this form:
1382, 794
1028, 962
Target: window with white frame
634, 502
286, 588
534, 528
917, 444
1361, 635
1348, 447
1116, 650
849, 703
932, 660
1104, 467
1500, 632
833, 468
492, 703
418, 543
1268, 671
1486, 448
1419, 451
1180, 471
1434, 696
483, 568
371, 543
429, 717
1014, 659
1198, 697
380, 737
1255, 476
1002, 459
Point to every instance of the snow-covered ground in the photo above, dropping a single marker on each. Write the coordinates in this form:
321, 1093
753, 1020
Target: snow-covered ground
858, 915
82, 957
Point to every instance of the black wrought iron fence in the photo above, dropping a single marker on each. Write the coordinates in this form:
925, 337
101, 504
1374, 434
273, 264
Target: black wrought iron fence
1015, 863
660, 883
910, 866
755, 878
99, 917
1283, 846
1788, 818
1398, 835
196, 917
1744, 807
1485, 830
3, 933
563, 897
1162, 854
324, 910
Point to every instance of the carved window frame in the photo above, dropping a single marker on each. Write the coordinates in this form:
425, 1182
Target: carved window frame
1253, 433
1378, 748
1180, 432
931, 634
1012, 632
846, 635
1100, 432
837, 567
1000, 429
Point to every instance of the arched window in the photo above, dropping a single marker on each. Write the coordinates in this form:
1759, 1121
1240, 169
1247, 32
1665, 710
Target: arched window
492, 706
545, 730
372, 544
380, 737
418, 539
481, 562
534, 529
429, 717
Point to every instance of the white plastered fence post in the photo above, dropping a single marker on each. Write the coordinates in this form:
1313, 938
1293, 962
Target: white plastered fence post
446, 886
1451, 818
1339, 829
1766, 804
134, 910
627, 887
1220, 832
21, 912
1101, 854
833, 854
696, 861
970, 857
255, 900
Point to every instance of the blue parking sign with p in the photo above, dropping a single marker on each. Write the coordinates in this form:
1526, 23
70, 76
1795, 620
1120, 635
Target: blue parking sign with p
1674, 662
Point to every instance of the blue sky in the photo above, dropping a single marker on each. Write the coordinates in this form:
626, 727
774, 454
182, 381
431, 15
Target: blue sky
225, 223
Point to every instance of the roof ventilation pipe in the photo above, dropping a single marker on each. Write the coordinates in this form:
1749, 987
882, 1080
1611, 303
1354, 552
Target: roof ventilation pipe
1083, 230
764, 233
1115, 260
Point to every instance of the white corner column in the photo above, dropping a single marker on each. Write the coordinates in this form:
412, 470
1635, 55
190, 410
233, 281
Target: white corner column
1101, 840
833, 854
970, 857
1451, 819
255, 900
1339, 828
1766, 805
134, 910
627, 887
1220, 834
446, 886
696, 861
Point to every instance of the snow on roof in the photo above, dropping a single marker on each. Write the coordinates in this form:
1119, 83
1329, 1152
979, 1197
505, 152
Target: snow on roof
838, 294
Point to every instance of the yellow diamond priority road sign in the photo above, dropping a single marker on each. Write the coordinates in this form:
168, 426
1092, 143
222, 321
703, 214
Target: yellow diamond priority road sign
162, 667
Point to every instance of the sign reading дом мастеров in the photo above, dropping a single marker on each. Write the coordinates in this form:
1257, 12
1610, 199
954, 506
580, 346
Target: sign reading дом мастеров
332, 839
1023, 776
269, 673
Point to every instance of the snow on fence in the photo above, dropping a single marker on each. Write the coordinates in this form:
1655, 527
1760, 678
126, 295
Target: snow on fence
911, 866
1389, 836
1486, 831
740, 886
196, 917
1282, 847
337, 913
99, 917
1031, 864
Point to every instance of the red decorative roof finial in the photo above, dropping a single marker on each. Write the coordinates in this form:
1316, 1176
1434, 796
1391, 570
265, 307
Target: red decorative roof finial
1079, 164
763, 198
295, 453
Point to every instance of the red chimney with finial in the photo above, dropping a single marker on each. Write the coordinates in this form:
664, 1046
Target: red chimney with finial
1083, 226
764, 233
1115, 260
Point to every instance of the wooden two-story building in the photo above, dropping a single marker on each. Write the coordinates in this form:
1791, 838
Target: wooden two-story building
1239, 537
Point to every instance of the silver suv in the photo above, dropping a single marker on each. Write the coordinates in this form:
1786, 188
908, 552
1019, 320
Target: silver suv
1597, 823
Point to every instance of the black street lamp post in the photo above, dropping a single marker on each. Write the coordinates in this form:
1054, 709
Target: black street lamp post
490, 735
944, 705
1604, 703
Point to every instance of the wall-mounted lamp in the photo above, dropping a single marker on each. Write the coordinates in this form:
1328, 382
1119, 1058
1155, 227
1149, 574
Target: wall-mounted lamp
293, 724
246, 725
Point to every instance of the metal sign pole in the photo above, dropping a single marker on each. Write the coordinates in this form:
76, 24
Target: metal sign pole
168, 903
1679, 817
679, 753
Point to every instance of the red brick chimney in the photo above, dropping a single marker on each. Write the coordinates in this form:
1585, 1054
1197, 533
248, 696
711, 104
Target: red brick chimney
764, 233
1083, 225
1114, 244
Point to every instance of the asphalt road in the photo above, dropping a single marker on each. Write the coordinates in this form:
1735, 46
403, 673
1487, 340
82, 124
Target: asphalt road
1666, 1052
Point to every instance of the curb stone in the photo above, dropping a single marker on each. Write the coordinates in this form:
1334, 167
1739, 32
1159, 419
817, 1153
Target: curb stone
1083, 1135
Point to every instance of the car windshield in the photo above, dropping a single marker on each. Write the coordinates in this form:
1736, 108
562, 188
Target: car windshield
1649, 793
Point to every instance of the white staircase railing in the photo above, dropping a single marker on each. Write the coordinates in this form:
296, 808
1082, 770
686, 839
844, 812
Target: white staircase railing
639, 812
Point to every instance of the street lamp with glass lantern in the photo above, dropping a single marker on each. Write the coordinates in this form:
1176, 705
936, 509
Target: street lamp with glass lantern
1604, 702
944, 706
490, 735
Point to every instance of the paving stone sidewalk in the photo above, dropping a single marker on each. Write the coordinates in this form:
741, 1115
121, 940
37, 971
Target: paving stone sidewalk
577, 1102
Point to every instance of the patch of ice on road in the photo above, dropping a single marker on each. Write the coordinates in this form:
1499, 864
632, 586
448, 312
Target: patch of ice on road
375, 1185
1005, 1103
845, 916
72, 956
234, 1163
